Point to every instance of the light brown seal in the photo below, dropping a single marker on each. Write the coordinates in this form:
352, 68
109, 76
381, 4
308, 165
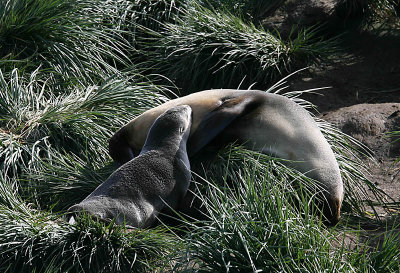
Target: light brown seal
270, 123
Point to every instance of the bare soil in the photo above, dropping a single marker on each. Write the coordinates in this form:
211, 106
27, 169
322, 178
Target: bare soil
363, 99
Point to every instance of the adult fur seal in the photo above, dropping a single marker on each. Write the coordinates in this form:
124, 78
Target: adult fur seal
136, 192
262, 121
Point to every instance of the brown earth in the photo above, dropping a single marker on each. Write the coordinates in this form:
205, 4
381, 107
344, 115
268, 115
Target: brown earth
363, 101
370, 124
364, 84
363, 98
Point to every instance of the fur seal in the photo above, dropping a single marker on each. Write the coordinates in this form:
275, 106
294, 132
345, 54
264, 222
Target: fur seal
138, 190
266, 122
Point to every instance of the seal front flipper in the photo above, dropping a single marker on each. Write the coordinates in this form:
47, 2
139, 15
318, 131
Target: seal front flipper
217, 120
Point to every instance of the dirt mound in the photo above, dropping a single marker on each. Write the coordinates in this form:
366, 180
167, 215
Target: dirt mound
370, 124
303, 12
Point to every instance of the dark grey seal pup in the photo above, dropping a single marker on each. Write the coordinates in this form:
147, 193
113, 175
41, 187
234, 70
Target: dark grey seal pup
270, 123
159, 177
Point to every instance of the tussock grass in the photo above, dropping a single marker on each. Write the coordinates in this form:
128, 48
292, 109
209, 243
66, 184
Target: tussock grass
35, 122
253, 10
386, 257
261, 217
52, 147
207, 48
69, 38
64, 180
133, 18
36, 241
385, 12
66, 85
148, 13
252, 200
379, 253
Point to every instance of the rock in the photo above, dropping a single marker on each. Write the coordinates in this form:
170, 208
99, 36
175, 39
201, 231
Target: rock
370, 123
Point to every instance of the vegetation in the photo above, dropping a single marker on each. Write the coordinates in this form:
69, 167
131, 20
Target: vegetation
38, 241
257, 225
230, 50
395, 136
68, 38
372, 11
73, 72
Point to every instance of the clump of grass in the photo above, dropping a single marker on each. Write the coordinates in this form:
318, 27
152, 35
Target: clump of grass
53, 139
261, 216
151, 14
253, 10
35, 122
33, 241
386, 257
379, 253
259, 219
64, 180
214, 49
68, 38
132, 18
385, 12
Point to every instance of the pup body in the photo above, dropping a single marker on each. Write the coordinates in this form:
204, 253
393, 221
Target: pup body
160, 175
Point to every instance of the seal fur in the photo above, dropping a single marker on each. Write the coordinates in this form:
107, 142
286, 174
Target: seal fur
158, 177
270, 123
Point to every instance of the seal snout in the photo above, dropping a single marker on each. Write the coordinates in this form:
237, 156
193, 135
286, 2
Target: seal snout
185, 111
178, 117
73, 214
181, 110
332, 211
76, 211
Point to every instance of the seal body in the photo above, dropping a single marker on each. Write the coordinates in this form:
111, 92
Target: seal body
158, 177
270, 123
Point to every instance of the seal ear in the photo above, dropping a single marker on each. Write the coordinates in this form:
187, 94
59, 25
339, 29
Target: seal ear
218, 119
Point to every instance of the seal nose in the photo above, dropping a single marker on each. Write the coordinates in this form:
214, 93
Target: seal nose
187, 109
76, 211
332, 211
71, 220
72, 214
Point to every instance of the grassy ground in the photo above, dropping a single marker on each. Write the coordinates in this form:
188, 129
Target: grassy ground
73, 72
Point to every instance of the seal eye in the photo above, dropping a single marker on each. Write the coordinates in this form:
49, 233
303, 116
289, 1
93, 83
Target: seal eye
181, 130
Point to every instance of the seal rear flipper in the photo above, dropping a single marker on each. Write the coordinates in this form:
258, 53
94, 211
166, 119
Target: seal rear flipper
217, 120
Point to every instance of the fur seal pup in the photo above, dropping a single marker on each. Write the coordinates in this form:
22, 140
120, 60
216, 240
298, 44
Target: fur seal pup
137, 191
270, 123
